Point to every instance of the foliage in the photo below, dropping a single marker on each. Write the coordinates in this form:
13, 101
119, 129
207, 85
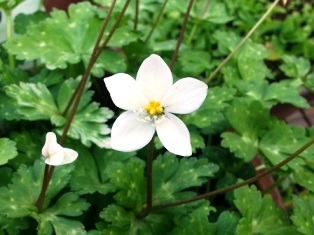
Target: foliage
105, 191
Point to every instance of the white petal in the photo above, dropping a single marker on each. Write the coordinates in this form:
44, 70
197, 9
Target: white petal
56, 159
185, 96
69, 155
50, 138
128, 133
124, 92
174, 135
154, 77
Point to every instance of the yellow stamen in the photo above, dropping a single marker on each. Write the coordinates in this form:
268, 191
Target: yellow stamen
154, 108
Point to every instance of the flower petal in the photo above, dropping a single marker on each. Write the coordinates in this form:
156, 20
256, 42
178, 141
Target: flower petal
185, 96
50, 139
56, 159
174, 135
124, 92
154, 77
128, 133
69, 155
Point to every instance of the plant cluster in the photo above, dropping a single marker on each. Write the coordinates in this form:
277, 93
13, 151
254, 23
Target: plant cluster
52, 70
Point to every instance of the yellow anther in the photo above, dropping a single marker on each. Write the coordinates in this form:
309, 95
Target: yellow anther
154, 108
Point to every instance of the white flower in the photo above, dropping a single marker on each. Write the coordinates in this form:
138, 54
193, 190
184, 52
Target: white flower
55, 154
150, 101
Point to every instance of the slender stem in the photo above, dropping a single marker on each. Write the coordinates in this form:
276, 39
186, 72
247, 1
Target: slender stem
191, 36
225, 61
238, 185
40, 200
186, 17
114, 27
137, 4
156, 21
94, 56
76, 97
149, 181
9, 34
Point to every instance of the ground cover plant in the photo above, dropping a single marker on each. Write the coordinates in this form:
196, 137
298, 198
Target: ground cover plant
156, 117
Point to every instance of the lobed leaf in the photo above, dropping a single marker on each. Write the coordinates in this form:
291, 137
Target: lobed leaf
172, 177
212, 109
66, 39
195, 222
303, 211
18, 198
32, 101
7, 150
260, 215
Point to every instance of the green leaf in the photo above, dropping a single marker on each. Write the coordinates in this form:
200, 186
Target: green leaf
66, 39
7, 150
23, 21
8, 108
211, 110
128, 178
11, 75
286, 93
226, 40
195, 222
274, 93
226, 223
89, 123
249, 118
68, 204
29, 144
67, 90
303, 211
123, 222
18, 199
60, 226
12, 226
5, 175
33, 101
9, 5
194, 62
295, 67
242, 146
260, 215
304, 177
197, 141
251, 62
283, 140
172, 177
90, 173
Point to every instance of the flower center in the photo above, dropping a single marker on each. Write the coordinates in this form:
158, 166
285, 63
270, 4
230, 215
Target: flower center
154, 108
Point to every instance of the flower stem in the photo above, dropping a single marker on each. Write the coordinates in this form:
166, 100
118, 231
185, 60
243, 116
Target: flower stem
156, 21
137, 4
238, 185
186, 17
226, 60
113, 29
76, 99
40, 201
149, 181
93, 58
